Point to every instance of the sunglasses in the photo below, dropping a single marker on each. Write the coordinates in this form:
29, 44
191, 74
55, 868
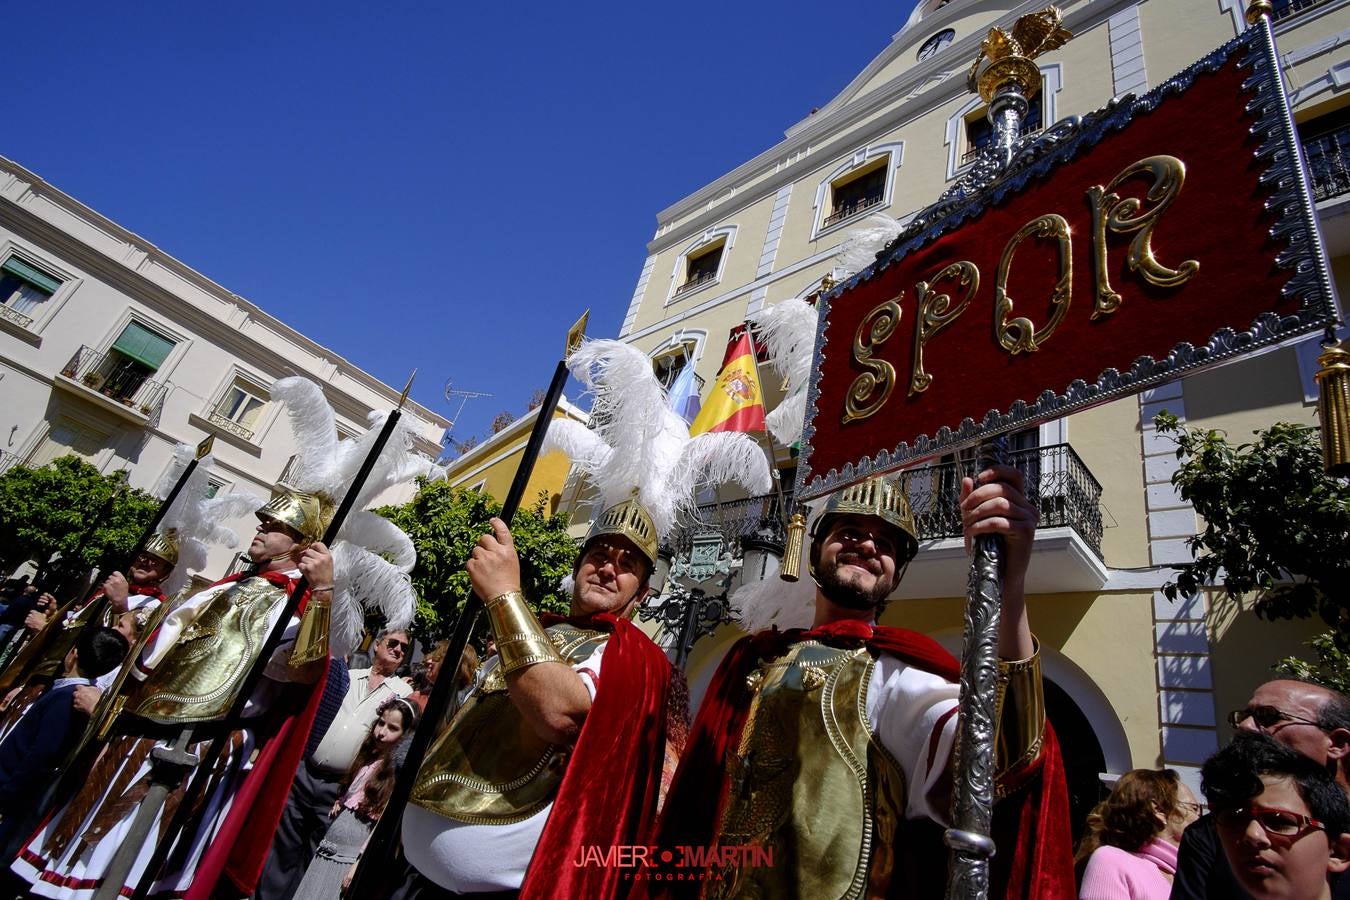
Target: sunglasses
396, 644
1268, 718
1280, 825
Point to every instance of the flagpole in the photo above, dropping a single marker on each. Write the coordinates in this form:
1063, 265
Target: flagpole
768, 436
378, 846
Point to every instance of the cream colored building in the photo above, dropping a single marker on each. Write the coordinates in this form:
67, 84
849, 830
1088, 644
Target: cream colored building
1138, 680
114, 350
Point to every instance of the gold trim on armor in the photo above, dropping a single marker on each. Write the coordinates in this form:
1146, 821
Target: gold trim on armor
521, 640
1019, 714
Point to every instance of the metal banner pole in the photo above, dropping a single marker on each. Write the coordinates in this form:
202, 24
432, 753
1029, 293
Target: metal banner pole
377, 850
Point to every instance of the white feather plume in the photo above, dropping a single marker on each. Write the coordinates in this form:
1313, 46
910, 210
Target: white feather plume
788, 330
198, 519
182, 455
770, 602
318, 457
637, 444
861, 247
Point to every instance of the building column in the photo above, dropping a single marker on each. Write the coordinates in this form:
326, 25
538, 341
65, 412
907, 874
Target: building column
1180, 639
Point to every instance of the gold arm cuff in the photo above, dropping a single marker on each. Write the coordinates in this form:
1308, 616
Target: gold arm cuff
311, 638
1020, 715
521, 640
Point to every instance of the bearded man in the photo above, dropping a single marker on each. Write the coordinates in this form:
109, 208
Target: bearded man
562, 744
824, 758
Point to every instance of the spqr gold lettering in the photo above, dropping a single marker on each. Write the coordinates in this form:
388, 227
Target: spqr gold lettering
1121, 215
1019, 335
934, 312
870, 390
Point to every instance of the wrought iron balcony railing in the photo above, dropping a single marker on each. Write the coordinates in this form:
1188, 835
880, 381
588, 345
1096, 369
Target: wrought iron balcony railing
118, 379
1328, 158
1286, 8
227, 424
1057, 481
843, 212
697, 280
9, 314
8, 460
969, 155
286, 472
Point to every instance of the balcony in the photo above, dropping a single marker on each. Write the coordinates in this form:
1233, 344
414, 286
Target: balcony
1285, 9
8, 460
697, 280
1327, 167
969, 156
840, 213
119, 384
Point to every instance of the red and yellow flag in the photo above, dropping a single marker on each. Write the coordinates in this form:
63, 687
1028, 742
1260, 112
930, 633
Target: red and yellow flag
736, 402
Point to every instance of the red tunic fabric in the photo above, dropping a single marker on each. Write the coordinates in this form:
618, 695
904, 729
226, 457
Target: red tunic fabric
1031, 825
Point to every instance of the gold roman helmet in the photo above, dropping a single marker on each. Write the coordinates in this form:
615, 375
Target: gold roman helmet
163, 545
307, 514
881, 497
627, 519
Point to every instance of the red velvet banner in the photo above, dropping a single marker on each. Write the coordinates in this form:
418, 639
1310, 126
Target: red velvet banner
1180, 181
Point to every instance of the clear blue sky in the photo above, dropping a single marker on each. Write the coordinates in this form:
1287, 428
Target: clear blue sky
435, 185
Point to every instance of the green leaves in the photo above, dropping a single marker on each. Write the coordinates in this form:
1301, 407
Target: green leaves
445, 523
1275, 525
52, 509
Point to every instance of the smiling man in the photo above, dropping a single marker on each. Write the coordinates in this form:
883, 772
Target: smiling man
828, 752
560, 747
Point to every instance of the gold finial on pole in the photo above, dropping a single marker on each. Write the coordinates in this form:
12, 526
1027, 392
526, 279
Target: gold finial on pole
1333, 407
403, 397
1258, 10
576, 334
205, 446
1007, 57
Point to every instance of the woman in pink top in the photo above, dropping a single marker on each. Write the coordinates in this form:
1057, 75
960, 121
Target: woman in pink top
1130, 849
370, 781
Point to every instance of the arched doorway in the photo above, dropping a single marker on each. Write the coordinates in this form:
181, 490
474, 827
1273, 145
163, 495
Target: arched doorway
1084, 760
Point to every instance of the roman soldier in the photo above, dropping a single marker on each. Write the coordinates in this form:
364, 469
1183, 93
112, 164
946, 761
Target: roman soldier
564, 743
824, 755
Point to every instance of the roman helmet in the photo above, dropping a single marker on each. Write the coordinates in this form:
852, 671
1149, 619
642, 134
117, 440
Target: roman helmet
627, 519
881, 497
307, 513
163, 545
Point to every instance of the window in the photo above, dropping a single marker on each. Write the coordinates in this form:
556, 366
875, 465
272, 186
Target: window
671, 363
1286, 8
980, 131
137, 354
1326, 145
213, 487
240, 408
23, 288
930, 47
65, 437
858, 191
702, 268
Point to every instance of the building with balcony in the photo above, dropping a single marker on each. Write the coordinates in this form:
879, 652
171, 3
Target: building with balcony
115, 351
1135, 680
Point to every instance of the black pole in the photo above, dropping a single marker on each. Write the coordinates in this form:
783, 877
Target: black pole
387, 828
126, 857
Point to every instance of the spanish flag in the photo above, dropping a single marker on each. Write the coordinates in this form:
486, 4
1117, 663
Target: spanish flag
736, 402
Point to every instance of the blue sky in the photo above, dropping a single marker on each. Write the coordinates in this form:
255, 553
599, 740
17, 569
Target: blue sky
435, 185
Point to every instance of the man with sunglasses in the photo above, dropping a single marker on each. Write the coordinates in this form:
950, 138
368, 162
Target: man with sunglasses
306, 817
1309, 719
1280, 817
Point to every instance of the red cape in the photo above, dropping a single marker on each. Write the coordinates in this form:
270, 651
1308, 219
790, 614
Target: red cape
1031, 826
608, 795
240, 848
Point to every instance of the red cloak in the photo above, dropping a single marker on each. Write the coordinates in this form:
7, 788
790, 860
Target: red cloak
608, 796
1031, 825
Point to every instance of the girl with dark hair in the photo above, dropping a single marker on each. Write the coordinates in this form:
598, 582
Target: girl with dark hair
362, 799
1130, 849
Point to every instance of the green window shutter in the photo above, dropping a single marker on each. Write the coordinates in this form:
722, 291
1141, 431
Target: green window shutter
34, 276
143, 345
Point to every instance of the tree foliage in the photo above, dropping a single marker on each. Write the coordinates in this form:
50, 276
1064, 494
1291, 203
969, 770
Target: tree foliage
63, 507
1276, 526
445, 523
1331, 670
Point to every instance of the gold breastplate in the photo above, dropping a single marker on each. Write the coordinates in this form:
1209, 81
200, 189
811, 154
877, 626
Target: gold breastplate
490, 768
810, 783
198, 678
